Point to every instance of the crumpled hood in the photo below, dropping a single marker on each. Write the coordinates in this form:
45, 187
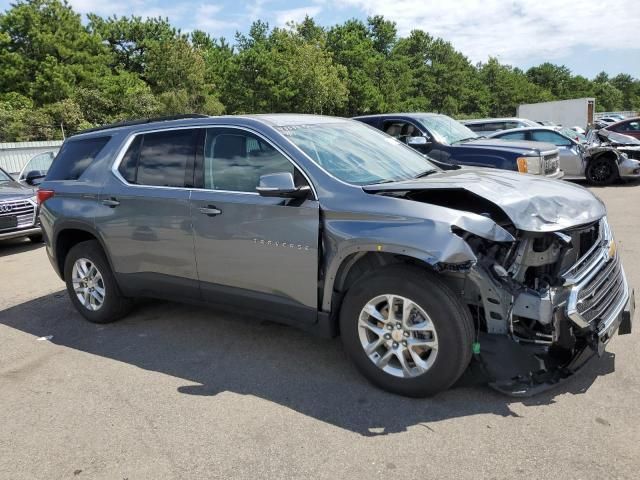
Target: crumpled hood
532, 203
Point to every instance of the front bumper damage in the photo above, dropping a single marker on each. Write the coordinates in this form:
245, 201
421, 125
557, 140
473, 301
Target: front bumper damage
525, 370
534, 338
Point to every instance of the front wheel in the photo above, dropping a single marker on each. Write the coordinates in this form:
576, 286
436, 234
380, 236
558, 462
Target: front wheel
602, 171
406, 331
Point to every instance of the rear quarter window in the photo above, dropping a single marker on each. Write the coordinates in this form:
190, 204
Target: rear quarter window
74, 158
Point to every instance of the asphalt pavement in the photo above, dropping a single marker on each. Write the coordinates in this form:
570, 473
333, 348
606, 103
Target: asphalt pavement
176, 391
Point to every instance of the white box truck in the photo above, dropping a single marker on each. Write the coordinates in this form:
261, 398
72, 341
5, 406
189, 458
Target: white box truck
577, 112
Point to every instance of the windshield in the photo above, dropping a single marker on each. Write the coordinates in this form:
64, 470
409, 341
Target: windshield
568, 132
356, 153
4, 177
446, 129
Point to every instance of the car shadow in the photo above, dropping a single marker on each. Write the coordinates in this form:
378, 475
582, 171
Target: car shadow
217, 352
17, 245
621, 183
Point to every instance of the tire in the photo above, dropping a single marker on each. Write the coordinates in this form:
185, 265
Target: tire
601, 171
113, 305
450, 319
35, 238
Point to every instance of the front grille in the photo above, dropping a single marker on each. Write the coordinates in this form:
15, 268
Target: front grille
587, 243
597, 298
23, 211
598, 289
550, 163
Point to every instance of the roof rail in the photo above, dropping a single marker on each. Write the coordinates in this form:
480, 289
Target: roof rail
129, 123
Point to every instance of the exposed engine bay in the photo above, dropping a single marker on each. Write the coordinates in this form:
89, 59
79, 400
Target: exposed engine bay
543, 303
605, 139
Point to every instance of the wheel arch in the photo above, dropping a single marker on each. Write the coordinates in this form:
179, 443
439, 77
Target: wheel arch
69, 235
353, 265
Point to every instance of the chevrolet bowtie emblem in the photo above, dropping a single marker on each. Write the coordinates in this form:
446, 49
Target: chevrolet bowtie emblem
612, 249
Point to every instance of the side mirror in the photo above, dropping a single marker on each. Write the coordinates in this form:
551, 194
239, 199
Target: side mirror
417, 141
280, 185
34, 177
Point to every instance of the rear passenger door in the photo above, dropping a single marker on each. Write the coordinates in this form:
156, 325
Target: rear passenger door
144, 217
253, 251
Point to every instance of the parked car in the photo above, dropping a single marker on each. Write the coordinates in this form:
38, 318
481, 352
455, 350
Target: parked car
603, 122
18, 210
329, 225
451, 143
629, 126
600, 165
579, 130
486, 126
36, 168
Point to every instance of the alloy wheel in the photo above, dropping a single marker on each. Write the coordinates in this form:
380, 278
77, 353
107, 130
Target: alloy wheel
398, 336
88, 284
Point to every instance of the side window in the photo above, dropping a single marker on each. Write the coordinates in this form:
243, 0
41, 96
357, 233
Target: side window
514, 136
476, 127
631, 126
129, 163
401, 130
40, 162
493, 126
234, 160
74, 158
164, 158
511, 124
549, 137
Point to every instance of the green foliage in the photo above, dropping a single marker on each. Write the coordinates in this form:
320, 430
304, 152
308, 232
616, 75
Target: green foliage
59, 73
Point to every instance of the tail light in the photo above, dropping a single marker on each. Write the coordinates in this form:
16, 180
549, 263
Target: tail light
44, 195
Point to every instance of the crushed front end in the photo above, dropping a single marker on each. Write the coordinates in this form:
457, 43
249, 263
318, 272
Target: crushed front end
545, 304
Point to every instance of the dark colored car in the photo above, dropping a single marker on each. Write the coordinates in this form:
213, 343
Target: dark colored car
18, 210
448, 141
628, 126
331, 226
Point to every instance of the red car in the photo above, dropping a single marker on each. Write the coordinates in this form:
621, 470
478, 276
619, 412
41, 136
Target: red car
628, 126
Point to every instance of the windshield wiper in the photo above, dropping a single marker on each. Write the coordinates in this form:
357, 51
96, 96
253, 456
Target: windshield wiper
462, 140
426, 173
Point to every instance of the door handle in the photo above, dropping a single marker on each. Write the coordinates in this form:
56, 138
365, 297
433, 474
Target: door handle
111, 202
210, 210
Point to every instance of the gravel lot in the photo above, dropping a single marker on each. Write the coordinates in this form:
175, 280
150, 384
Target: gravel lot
176, 391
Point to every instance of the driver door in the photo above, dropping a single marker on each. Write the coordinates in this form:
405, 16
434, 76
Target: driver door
253, 251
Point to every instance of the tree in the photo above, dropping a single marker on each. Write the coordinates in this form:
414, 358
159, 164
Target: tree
56, 70
130, 38
176, 72
555, 78
284, 70
46, 52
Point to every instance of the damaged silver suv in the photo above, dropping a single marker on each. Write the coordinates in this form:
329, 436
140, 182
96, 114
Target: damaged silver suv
332, 226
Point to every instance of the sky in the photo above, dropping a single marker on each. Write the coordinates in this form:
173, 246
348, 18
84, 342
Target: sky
588, 36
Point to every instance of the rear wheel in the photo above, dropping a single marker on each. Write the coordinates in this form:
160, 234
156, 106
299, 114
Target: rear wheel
406, 331
91, 284
602, 171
